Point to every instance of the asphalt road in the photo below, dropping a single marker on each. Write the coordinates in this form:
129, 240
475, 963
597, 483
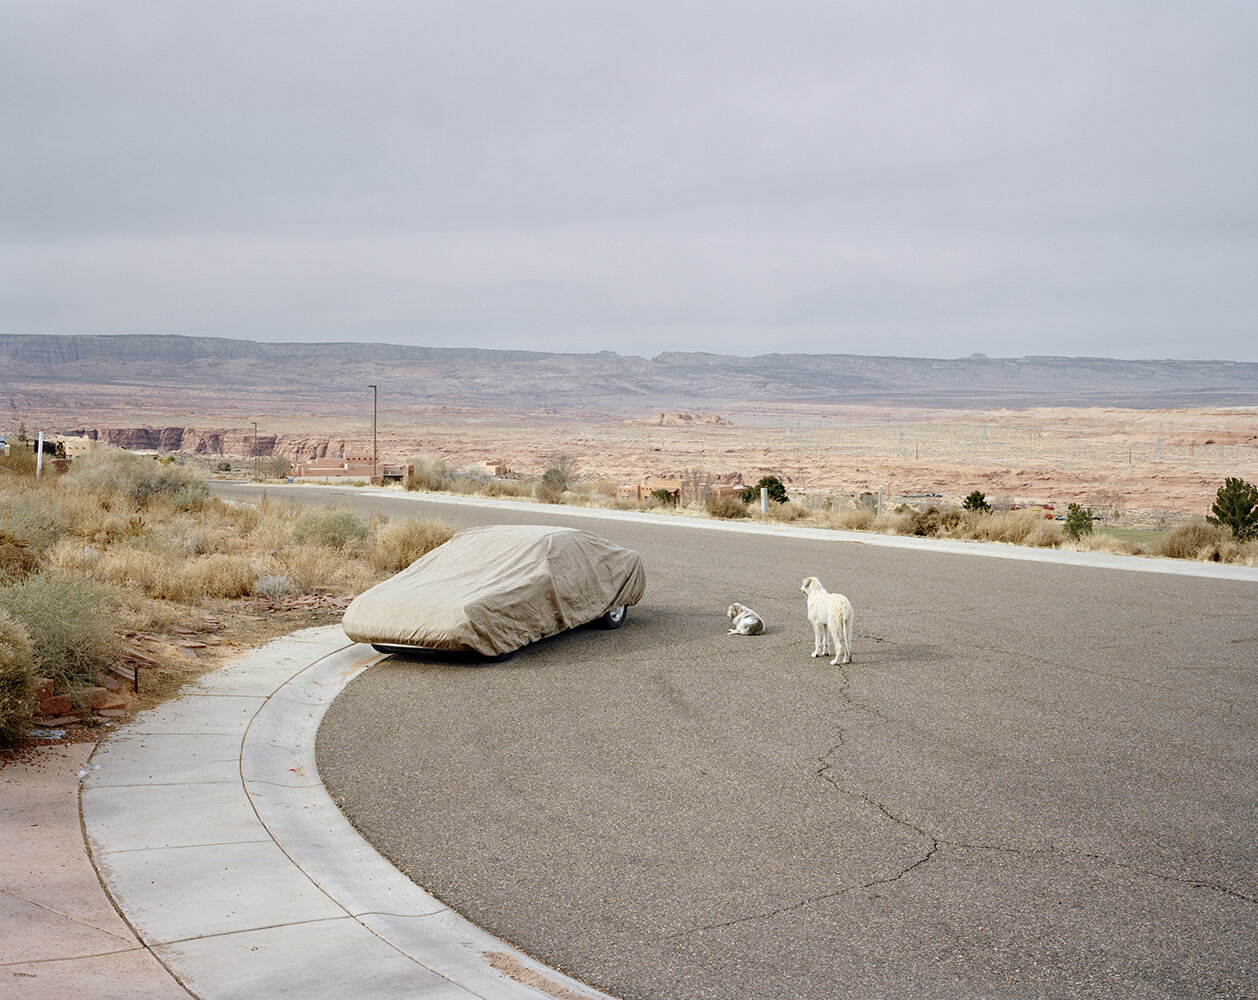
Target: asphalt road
1033, 780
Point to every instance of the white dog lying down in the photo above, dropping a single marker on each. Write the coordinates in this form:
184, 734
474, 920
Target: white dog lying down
746, 621
832, 617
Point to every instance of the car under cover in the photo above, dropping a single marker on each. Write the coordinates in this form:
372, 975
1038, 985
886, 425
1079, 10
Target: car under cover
494, 589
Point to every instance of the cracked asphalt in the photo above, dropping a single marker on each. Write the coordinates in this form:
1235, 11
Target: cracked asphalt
1033, 780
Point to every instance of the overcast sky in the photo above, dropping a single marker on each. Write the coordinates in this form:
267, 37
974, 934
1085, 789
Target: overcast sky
911, 178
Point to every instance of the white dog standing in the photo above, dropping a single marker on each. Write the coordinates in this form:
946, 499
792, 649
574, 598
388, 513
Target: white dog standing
832, 617
745, 621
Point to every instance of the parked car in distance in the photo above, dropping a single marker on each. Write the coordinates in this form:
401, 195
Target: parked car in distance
492, 590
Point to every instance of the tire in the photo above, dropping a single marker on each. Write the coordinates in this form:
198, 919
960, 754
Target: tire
615, 617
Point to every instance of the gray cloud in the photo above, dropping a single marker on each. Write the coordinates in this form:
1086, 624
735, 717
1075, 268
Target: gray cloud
912, 178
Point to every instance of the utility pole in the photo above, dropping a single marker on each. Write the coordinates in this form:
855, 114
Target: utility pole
255, 451
374, 398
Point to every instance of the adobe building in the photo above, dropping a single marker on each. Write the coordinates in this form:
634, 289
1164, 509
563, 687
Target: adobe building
330, 467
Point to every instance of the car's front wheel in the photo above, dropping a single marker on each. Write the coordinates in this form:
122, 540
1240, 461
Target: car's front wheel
615, 617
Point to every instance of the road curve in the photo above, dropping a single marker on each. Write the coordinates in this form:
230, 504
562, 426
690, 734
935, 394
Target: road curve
1036, 779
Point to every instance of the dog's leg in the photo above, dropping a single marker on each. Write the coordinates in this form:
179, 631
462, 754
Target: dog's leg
816, 638
836, 636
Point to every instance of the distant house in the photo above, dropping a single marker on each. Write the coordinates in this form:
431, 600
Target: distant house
348, 467
334, 467
77, 447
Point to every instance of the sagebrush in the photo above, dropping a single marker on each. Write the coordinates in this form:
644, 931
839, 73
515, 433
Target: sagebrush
17, 679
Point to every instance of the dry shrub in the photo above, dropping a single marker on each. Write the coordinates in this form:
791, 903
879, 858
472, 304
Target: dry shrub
1197, 540
17, 679
1045, 535
786, 512
128, 567
17, 559
272, 587
244, 517
1012, 527
431, 475
400, 543
140, 481
32, 519
726, 507
503, 488
69, 620
934, 521
331, 527
894, 523
548, 492
316, 569
19, 462
852, 519
207, 576
1099, 541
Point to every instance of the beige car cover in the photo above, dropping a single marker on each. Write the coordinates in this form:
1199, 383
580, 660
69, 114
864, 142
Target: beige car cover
495, 589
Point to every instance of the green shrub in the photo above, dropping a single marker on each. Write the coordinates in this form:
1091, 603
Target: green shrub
17, 679
140, 480
1236, 507
976, 501
70, 622
664, 498
331, 527
777, 491
1078, 521
727, 507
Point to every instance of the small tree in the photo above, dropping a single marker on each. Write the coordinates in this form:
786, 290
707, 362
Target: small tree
1107, 504
1236, 507
694, 485
275, 466
562, 471
777, 492
976, 501
1078, 521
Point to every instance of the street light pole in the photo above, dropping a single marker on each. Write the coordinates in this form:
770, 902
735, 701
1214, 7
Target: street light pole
374, 399
255, 450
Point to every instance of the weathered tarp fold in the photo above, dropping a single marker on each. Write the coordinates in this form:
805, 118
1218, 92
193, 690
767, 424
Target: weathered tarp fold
495, 589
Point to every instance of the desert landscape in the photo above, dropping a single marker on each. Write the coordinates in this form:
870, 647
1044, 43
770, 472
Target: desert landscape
1160, 437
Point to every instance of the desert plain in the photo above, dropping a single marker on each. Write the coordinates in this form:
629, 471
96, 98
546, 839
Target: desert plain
1150, 464
1154, 439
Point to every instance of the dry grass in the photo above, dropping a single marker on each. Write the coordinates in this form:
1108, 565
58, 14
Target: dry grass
17, 678
83, 563
400, 543
726, 507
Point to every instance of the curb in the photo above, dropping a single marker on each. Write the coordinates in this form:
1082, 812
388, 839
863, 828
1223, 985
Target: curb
216, 840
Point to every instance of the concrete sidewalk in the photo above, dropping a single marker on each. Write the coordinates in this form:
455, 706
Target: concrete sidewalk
234, 872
